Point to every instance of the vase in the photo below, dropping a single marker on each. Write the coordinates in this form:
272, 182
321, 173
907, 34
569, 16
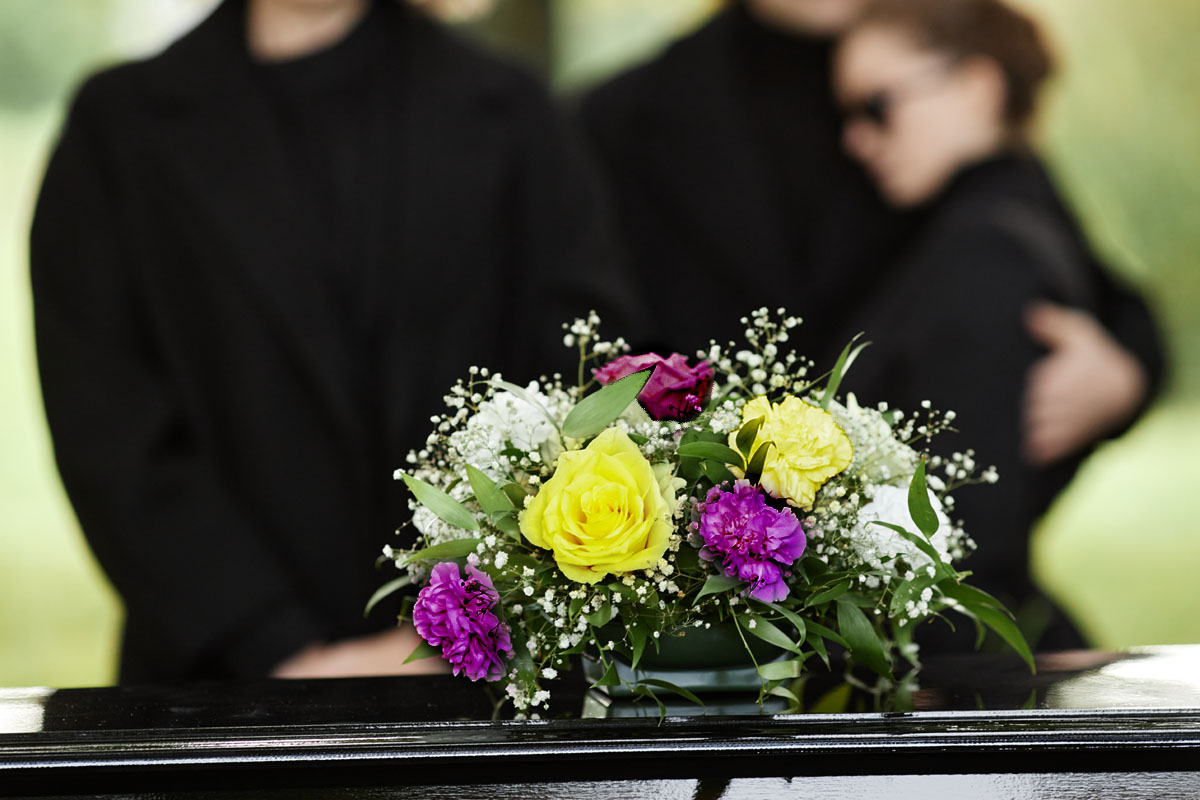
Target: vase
712, 663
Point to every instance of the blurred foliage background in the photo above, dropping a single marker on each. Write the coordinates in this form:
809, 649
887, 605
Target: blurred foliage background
1120, 549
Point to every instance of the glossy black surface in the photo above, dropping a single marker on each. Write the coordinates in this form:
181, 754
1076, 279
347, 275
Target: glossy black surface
1103, 718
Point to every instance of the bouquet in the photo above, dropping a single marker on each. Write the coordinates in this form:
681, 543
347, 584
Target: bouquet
651, 497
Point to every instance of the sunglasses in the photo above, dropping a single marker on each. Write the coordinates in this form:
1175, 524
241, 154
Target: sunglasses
878, 107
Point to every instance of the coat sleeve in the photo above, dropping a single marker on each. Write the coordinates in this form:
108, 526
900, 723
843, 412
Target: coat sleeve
951, 333
1127, 316
188, 562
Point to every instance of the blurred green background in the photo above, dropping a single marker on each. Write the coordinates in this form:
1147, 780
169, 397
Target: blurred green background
1121, 549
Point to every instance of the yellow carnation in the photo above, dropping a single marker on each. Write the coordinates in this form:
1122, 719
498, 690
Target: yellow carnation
809, 447
605, 510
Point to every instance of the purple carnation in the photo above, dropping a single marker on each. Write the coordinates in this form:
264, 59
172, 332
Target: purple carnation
752, 541
455, 614
674, 391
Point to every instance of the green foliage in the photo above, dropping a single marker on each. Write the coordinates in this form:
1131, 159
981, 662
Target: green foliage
600, 409
446, 508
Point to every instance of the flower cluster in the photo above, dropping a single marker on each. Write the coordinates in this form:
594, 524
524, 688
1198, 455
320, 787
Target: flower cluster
658, 495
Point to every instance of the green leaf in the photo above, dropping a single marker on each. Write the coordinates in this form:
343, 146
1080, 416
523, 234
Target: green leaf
922, 544
575, 605
516, 493
445, 507
825, 596
422, 651
827, 633
385, 590
601, 616
998, 620
508, 524
609, 678
716, 472
598, 410
969, 595
919, 506
747, 434
637, 640
637, 438
646, 691
769, 632
818, 646
840, 368
713, 450
863, 640
835, 701
792, 617
716, 584
781, 670
455, 548
670, 687
787, 694
491, 498
687, 559
909, 590
754, 470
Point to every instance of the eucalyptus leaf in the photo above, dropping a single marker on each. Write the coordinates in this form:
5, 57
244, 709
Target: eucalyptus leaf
422, 651
713, 450
919, 506
491, 498
600, 409
445, 507
769, 632
747, 434
716, 584
864, 642
781, 670
384, 591
455, 548
840, 368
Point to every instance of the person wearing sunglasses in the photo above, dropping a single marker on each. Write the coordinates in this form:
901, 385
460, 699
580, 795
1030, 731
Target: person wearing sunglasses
936, 98
726, 169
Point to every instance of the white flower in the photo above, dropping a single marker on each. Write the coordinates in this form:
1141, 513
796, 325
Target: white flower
880, 547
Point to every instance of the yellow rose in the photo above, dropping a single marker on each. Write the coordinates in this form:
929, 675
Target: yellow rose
605, 510
809, 447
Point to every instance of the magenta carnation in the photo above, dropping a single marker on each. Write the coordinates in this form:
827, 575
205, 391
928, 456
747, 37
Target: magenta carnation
674, 391
455, 613
752, 541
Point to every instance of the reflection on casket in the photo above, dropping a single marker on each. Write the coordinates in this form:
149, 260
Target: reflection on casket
1087, 724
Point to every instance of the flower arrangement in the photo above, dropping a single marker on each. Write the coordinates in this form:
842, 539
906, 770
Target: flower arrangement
653, 497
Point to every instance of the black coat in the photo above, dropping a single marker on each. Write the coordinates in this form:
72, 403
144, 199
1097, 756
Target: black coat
947, 326
729, 187
731, 192
226, 435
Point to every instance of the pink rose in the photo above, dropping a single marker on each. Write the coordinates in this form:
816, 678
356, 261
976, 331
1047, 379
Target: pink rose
674, 391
